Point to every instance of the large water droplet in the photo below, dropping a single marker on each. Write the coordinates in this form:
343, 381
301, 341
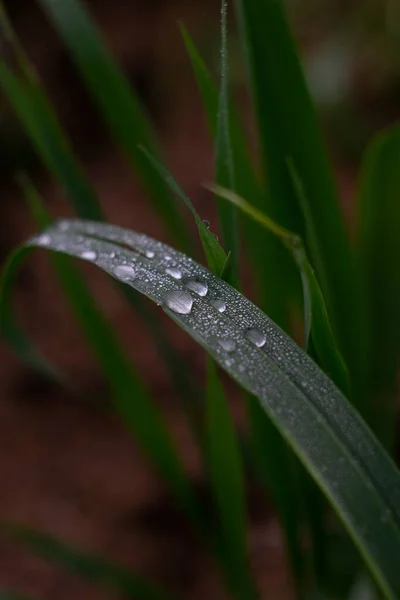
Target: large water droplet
219, 305
228, 344
207, 223
197, 286
89, 255
256, 337
44, 239
150, 254
179, 301
175, 273
125, 272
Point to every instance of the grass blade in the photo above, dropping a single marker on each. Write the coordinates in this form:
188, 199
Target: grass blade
91, 568
379, 222
120, 107
289, 129
334, 444
277, 293
318, 327
227, 482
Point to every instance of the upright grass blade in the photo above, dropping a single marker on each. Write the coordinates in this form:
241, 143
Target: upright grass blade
277, 282
224, 164
216, 258
226, 476
288, 129
335, 445
88, 567
379, 223
119, 105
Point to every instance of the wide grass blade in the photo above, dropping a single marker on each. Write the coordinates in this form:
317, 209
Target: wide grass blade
289, 130
334, 444
224, 465
118, 103
91, 568
277, 293
379, 226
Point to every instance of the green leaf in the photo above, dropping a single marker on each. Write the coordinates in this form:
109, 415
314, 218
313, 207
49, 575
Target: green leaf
215, 254
288, 128
316, 319
119, 105
332, 441
276, 292
89, 567
227, 483
379, 227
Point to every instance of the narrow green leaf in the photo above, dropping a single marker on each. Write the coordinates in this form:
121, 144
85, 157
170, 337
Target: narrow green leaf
227, 483
89, 567
332, 441
379, 232
277, 282
119, 105
215, 254
317, 320
224, 164
288, 128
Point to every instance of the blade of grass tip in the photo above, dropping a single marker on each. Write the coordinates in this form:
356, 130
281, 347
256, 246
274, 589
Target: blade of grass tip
131, 398
320, 328
224, 167
88, 567
119, 105
227, 483
215, 254
288, 127
39, 120
276, 291
379, 241
332, 441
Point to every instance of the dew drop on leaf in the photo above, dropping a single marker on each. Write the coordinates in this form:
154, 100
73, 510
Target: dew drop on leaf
227, 344
219, 305
179, 301
197, 286
89, 255
175, 273
256, 337
125, 272
150, 254
44, 240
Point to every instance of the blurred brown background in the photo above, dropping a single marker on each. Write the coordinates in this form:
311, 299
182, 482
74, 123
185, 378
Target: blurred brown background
67, 466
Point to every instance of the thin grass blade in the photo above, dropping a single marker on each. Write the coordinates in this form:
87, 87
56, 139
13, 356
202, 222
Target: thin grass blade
91, 568
289, 129
379, 227
334, 444
118, 103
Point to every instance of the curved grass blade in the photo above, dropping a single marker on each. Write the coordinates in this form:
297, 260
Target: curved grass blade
379, 227
317, 325
225, 467
119, 105
334, 444
277, 293
288, 128
216, 258
88, 567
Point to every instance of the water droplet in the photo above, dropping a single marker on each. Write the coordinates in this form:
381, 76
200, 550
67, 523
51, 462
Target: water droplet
179, 301
125, 272
227, 344
242, 368
207, 223
256, 337
64, 225
44, 240
89, 255
219, 305
175, 273
112, 255
197, 286
166, 257
150, 254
